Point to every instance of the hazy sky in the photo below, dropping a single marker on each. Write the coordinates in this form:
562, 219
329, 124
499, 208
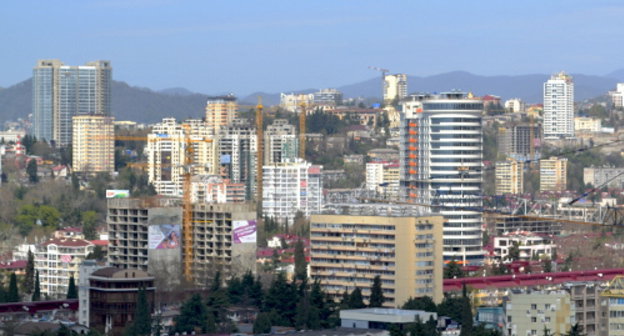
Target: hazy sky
246, 46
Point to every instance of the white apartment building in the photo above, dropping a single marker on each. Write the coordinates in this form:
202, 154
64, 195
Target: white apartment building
509, 177
529, 244
617, 96
280, 142
559, 107
395, 87
292, 102
57, 260
441, 155
515, 105
215, 189
166, 154
93, 144
291, 187
383, 178
586, 124
238, 145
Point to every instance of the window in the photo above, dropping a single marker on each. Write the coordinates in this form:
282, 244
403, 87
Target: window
533, 319
533, 306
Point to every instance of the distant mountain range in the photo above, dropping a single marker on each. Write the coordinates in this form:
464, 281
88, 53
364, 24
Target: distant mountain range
145, 105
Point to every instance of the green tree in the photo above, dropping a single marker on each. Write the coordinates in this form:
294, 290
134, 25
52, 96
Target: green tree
36, 296
547, 265
72, 292
217, 303
31, 170
13, 294
420, 303
30, 215
466, 314
355, 299
193, 316
142, 323
576, 330
301, 266
29, 276
514, 252
546, 331
75, 182
262, 325
89, 224
97, 254
376, 298
453, 270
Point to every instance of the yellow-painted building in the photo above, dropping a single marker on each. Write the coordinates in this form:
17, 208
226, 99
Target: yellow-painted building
93, 144
347, 252
553, 174
614, 295
586, 124
509, 179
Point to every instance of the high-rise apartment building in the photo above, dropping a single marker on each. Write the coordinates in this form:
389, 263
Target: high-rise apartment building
441, 153
61, 92
395, 87
328, 97
93, 144
291, 187
220, 112
147, 234
281, 143
553, 174
515, 141
509, 177
383, 178
166, 154
598, 176
617, 96
215, 189
237, 150
348, 251
559, 107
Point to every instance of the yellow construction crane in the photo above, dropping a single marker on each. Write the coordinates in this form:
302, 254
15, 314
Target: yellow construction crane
302, 130
260, 152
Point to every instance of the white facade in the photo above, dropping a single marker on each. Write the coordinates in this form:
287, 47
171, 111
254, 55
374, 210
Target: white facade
617, 96
280, 142
238, 145
166, 154
530, 246
291, 102
441, 164
57, 260
509, 177
291, 187
559, 107
586, 124
515, 105
395, 87
383, 178
86, 268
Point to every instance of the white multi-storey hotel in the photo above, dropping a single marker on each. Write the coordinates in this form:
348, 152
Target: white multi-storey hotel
559, 107
441, 165
57, 260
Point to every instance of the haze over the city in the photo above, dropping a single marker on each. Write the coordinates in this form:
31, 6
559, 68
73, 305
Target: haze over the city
273, 46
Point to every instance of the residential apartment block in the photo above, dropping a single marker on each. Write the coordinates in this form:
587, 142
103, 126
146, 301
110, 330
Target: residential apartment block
559, 107
509, 177
382, 177
93, 144
280, 142
553, 174
530, 313
220, 111
395, 88
611, 176
348, 251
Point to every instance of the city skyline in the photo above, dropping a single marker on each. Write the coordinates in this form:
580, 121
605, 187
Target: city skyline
221, 48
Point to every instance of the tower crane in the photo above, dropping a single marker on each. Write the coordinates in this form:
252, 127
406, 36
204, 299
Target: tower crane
302, 130
384, 72
259, 151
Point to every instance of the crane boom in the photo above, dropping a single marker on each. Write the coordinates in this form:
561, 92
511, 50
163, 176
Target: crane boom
302, 131
260, 152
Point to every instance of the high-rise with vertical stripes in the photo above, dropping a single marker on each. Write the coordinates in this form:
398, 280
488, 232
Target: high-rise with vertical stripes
441, 166
559, 107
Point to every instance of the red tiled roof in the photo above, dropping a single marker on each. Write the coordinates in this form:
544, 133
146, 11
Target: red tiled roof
18, 264
70, 242
99, 242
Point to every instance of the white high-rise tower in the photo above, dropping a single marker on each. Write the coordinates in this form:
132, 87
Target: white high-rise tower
559, 107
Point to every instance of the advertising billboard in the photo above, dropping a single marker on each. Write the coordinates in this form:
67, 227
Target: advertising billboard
115, 193
244, 231
163, 236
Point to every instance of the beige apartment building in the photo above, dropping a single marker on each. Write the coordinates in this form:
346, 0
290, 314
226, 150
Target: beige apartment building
220, 111
93, 144
530, 313
348, 251
509, 179
553, 174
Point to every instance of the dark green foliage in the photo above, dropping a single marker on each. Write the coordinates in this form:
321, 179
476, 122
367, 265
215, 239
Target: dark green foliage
576, 330
72, 291
301, 266
31, 170
514, 251
451, 307
281, 300
29, 276
30, 215
142, 324
262, 325
355, 299
75, 182
396, 330
89, 224
97, 254
193, 316
217, 303
36, 296
420, 303
320, 122
376, 298
13, 294
453, 270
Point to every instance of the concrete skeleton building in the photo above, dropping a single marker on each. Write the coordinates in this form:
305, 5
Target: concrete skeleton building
395, 88
166, 154
281, 143
553, 174
515, 141
348, 251
61, 92
509, 177
559, 107
146, 234
441, 155
598, 176
93, 144
291, 187
57, 260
